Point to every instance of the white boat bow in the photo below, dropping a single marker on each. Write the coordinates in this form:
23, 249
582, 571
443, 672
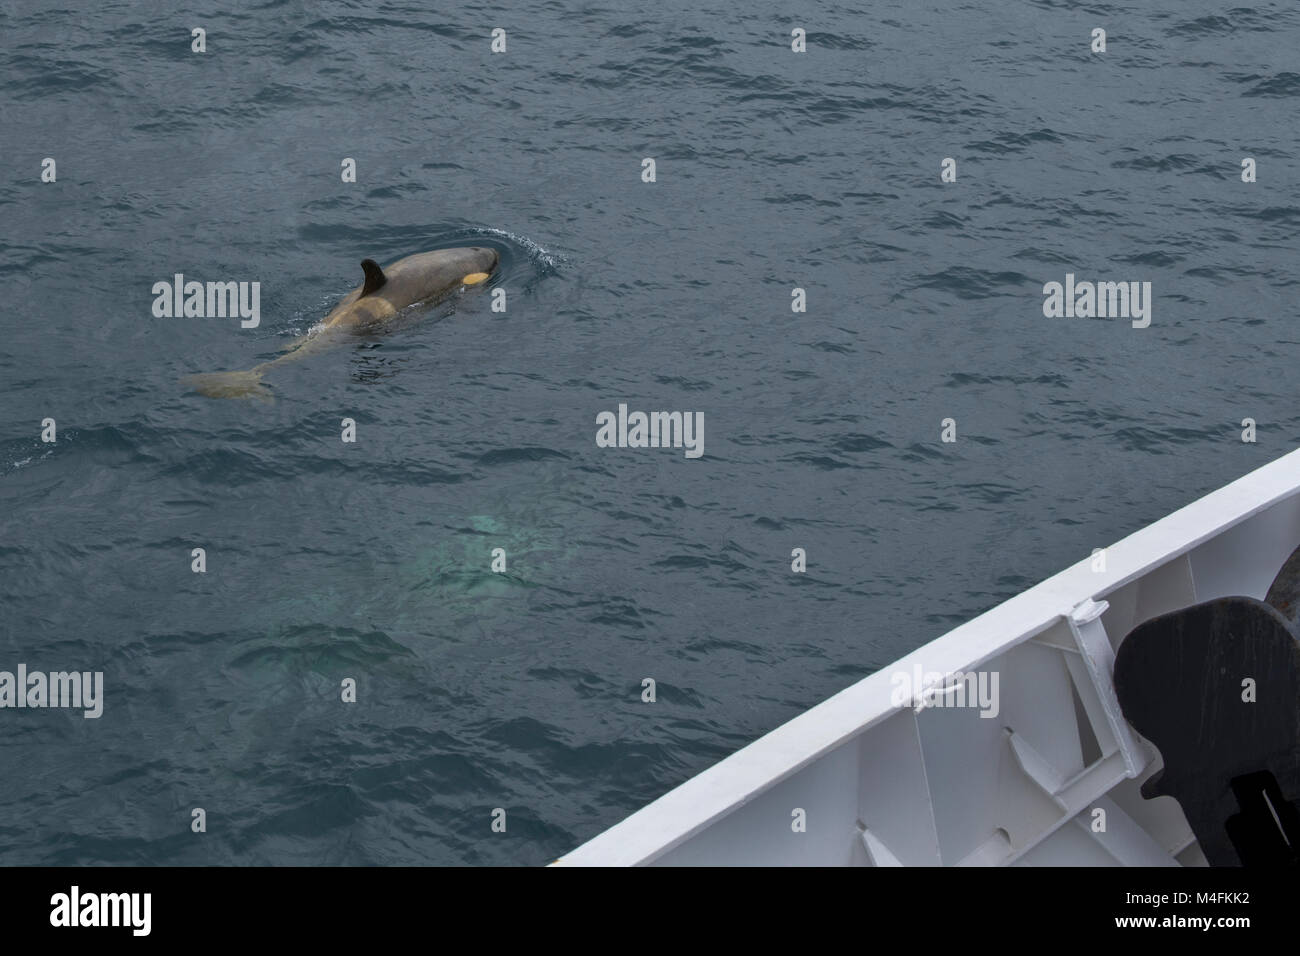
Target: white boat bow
1048, 776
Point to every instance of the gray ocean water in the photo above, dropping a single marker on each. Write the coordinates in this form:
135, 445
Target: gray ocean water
476, 429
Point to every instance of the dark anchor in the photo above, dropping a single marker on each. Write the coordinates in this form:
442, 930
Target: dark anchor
1233, 764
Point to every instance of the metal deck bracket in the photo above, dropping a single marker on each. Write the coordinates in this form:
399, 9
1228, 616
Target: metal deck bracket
877, 852
1123, 838
1071, 794
1099, 656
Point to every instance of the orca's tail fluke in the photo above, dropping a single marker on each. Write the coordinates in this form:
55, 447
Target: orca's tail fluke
246, 384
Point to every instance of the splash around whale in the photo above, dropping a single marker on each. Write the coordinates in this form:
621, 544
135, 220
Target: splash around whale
420, 279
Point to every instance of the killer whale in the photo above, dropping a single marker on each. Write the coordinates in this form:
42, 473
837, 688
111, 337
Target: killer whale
417, 279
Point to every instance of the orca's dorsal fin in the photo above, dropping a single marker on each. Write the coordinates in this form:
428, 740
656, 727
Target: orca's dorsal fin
374, 276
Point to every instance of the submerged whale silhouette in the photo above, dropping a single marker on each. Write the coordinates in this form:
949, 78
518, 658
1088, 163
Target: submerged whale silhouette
422, 278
